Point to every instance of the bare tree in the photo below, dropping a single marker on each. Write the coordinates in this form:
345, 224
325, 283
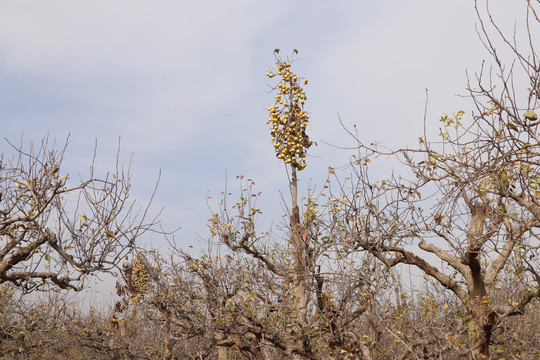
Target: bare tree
54, 326
55, 230
293, 292
472, 200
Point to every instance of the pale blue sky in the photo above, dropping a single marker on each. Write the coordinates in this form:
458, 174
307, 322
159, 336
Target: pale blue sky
183, 84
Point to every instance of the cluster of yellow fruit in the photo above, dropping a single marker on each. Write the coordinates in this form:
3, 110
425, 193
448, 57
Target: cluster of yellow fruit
140, 276
288, 118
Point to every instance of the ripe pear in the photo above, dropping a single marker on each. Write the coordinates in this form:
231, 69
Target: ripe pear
530, 115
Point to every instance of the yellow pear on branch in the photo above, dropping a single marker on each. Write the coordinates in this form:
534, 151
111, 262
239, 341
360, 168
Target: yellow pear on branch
530, 115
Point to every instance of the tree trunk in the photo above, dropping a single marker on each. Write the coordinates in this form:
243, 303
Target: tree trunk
167, 340
481, 325
221, 350
480, 331
299, 253
222, 353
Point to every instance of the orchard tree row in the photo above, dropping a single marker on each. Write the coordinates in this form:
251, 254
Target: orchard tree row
328, 282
